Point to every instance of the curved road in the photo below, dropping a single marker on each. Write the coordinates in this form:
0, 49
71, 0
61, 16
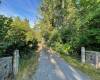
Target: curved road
52, 67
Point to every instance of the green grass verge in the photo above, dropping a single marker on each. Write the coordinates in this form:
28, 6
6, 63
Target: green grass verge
27, 67
88, 69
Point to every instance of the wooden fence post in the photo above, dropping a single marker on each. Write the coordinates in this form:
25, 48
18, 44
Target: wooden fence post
15, 63
83, 54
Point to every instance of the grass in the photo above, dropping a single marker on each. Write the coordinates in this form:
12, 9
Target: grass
88, 69
27, 67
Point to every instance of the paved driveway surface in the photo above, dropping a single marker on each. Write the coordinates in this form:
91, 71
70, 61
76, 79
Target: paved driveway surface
52, 67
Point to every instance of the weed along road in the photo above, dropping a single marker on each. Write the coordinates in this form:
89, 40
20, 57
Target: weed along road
52, 67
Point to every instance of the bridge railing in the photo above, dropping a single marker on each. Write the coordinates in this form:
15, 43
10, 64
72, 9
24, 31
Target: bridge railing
90, 57
9, 66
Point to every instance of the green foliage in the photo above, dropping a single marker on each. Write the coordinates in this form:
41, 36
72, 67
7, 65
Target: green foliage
61, 48
74, 23
54, 37
16, 34
5, 24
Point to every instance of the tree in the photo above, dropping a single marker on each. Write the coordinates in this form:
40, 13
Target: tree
16, 34
5, 24
76, 21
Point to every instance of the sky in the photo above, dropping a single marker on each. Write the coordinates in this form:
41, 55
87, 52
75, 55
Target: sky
23, 8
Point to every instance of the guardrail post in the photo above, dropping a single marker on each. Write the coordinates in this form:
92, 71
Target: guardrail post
15, 63
83, 54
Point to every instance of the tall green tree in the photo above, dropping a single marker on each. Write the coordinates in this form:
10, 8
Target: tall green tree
75, 21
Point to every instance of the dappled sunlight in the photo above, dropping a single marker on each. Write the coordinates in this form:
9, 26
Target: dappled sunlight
75, 73
51, 67
45, 32
39, 59
53, 61
77, 77
59, 73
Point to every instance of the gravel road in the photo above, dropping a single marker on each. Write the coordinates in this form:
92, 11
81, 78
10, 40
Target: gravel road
52, 67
